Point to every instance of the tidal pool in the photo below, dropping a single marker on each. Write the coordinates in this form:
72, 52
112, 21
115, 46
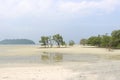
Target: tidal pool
50, 58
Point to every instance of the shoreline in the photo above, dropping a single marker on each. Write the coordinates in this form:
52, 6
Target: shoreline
20, 50
100, 70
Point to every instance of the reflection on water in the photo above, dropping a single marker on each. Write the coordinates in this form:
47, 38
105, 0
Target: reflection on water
58, 57
50, 58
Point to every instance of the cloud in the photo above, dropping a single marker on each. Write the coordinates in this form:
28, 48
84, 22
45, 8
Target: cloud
18, 8
87, 7
15, 8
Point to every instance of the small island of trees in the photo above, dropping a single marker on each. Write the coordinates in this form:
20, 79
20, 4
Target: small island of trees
16, 41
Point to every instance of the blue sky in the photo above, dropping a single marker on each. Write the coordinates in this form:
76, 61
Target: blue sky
73, 19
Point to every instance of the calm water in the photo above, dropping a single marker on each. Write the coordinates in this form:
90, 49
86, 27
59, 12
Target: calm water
50, 58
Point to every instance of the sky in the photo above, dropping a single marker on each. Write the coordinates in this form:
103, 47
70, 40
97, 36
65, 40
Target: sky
73, 19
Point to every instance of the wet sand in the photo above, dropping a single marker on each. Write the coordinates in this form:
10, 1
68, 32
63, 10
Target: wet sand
108, 69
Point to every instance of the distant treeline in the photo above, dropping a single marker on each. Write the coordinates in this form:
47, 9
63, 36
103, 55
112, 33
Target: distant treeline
108, 41
17, 41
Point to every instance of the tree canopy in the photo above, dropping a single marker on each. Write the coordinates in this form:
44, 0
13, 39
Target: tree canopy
71, 43
44, 41
58, 39
50, 40
105, 40
83, 41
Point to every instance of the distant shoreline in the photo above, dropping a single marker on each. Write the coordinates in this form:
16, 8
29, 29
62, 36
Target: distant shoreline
16, 42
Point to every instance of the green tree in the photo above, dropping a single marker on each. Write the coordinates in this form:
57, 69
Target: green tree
64, 44
98, 40
116, 38
112, 41
44, 41
94, 41
58, 39
106, 41
83, 41
71, 43
91, 41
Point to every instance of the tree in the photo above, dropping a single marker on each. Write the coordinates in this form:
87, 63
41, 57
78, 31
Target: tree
44, 41
115, 38
64, 44
106, 41
58, 39
71, 43
83, 41
94, 41
50, 41
98, 41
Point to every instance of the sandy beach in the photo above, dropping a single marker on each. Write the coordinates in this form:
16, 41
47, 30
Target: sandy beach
66, 71
20, 50
59, 39
107, 68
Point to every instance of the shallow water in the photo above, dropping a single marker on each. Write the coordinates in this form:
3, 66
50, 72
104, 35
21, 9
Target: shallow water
50, 58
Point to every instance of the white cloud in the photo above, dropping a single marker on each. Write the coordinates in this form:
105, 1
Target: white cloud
18, 8
86, 7
14, 8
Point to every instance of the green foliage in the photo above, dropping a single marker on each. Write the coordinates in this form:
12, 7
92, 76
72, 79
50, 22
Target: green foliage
106, 41
48, 40
118, 46
63, 43
116, 34
115, 38
83, 41
112, 41
100, 41
58, 39
94, 40
44, 41
71, 43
